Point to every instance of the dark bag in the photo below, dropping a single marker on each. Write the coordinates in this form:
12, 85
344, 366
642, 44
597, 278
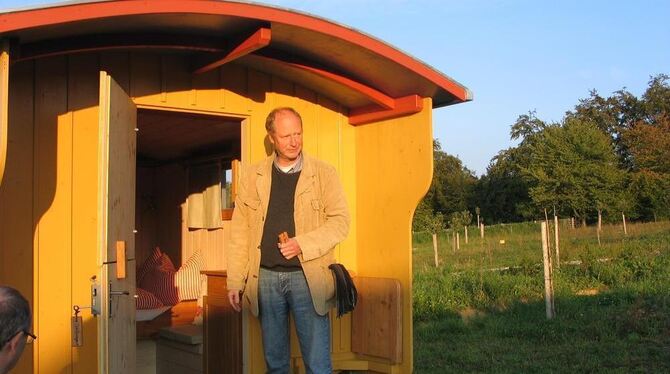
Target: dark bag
345, 290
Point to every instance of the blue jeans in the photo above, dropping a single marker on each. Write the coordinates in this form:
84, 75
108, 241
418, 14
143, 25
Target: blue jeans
279, 293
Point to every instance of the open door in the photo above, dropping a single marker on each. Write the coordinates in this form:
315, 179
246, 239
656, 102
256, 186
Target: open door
116, 217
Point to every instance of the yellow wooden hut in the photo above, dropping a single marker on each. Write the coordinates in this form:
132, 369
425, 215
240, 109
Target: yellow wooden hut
121, 127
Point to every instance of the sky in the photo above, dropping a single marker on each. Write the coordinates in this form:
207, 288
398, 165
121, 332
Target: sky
514, 55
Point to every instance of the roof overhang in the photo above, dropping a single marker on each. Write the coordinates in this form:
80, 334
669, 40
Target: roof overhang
371, 78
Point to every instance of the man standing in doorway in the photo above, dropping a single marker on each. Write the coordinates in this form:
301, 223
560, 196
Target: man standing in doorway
294, 193
14, 327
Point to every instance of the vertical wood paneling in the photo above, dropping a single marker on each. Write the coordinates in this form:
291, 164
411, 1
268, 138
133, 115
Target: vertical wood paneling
54, 214
170, 192
146, 70
233, 80
258, 85
16, 196
385, 151
207, 87
145, 215
83, 104
178, 81
116, 64
65, 120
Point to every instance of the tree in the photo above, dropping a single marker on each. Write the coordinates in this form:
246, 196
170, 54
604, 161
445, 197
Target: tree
452, 185
458, 220
574, 168
502, 193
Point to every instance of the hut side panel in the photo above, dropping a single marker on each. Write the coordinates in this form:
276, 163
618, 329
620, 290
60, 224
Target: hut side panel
394, 171
16, 196
48, 199
82, 101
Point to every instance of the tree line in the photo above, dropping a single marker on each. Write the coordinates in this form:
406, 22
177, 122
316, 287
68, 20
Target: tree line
606, 156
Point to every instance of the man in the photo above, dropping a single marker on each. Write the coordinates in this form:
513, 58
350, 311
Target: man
14, 327
302, 196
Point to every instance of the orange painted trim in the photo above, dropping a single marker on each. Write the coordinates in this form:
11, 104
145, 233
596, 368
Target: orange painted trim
261, 38
403, 106
90, 11
374, 95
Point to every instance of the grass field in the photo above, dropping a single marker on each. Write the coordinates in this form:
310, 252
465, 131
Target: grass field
612, 302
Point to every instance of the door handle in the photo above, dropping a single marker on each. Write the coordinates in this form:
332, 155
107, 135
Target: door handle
115, 293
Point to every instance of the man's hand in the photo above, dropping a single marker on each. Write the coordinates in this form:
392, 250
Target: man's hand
290, 249
234, 299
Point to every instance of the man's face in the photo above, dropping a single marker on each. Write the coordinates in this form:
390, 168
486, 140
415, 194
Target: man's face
286, 138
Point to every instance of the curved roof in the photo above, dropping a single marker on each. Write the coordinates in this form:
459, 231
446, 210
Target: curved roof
353, 68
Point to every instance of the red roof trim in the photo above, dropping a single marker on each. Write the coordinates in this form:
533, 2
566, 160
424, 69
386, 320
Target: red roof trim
259, 39
374, 95
402, 106
76, 12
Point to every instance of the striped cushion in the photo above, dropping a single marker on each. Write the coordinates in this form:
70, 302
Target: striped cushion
147, 300
188, 277
150, 263
159, 280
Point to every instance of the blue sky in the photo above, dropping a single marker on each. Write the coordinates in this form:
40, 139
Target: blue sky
514, 55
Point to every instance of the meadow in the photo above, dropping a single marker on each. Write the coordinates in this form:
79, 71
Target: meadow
482, 309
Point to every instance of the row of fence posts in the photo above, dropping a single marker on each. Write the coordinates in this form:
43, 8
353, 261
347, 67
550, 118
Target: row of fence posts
546, 251
547, 255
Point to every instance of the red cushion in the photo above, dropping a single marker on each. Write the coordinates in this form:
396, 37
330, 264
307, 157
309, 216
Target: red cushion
188, 278
147, 300
159, 280
150, 263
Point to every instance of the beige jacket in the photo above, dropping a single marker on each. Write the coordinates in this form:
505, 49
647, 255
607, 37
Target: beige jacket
321, 222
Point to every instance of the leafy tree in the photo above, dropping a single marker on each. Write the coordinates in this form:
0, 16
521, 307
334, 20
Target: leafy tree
458, 220
452, 185
649, 144
502, 193
574, 169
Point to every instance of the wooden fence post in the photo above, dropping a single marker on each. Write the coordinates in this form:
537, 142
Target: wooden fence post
548, 278
458, 241
481, 230
466, 234
600, 224
435, 248
558, 261
623, 216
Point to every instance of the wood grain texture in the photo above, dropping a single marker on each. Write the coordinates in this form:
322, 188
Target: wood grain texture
118, 118
377, 319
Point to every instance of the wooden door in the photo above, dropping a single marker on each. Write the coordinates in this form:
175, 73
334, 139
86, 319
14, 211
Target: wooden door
116, 244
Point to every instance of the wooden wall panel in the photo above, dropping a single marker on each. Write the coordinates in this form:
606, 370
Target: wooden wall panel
145, 214
170, 193
58, 192
83, 90
385, 152
53, 127
16, 196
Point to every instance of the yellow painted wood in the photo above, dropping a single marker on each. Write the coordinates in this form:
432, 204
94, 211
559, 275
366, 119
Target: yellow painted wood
16, 198
61, 190
83, 103
53, 153
116, 216
394, 171
4, 103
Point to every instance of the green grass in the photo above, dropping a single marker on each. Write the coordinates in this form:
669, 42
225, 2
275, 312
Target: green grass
468, 319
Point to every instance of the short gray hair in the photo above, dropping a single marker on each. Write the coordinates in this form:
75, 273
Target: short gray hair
14, 314
270, 120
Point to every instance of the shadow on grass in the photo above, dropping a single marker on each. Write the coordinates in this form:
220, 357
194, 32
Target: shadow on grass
622, 331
